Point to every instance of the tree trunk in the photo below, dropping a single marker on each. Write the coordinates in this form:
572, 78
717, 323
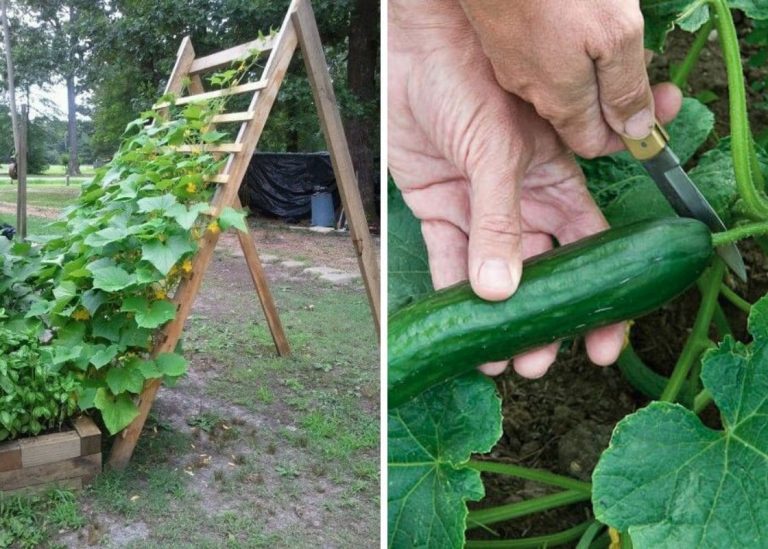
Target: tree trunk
73, 168
361, 80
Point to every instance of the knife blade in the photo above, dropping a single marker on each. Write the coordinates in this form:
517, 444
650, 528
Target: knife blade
663, 165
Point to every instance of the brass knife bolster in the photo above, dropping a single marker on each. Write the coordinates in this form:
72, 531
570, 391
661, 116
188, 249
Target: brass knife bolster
645, 149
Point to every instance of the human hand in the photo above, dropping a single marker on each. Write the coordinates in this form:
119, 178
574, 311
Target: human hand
580, 63
488, 178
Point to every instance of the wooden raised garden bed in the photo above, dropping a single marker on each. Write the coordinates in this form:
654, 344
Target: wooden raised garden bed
69, 459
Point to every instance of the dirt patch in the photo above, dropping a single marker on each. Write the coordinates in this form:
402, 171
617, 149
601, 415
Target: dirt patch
36, 211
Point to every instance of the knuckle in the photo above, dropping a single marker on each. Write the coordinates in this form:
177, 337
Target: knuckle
630, 98
618, 32
499, 226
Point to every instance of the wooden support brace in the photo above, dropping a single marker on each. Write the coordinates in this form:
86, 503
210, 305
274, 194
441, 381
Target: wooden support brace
322, 89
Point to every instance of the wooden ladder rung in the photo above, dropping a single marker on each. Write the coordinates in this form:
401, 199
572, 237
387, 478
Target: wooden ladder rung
234, 90
224, 57
233, 117
213, 147
219, 178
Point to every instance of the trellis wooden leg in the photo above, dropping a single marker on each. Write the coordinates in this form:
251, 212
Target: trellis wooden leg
330, 120
248, 246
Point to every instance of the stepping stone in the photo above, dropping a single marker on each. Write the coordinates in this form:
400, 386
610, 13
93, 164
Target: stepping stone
292, 264
268, 258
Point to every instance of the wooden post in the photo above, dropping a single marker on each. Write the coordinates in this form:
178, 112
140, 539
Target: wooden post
21, 164
330, 120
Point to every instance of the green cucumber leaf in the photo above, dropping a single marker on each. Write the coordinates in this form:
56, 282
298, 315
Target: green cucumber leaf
164, 255
116, 411
152, 203
103, 355
230, 217
754, 9
111, 279
171, 364
429, 439
662, 15
672, 482
125, 379
149, 315
407, 255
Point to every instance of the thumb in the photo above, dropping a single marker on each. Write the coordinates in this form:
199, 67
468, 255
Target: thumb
625, 93
495, 248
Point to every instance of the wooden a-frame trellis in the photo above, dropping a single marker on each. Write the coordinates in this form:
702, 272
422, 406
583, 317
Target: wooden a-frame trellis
299, 29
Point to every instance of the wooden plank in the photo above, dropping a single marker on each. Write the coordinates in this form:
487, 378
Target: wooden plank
259, 278
225, 57
49, 448
10, 456
90, 436
213, 147
330, 120
225, 92
219, 178
82, 466
62, 484
232, 117
184, 59
249, 134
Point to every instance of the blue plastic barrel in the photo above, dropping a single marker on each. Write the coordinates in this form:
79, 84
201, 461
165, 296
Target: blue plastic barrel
323, 214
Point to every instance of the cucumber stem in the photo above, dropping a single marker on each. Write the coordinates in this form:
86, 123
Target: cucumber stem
701, 401
735, 298
742, 146
545, 477
483, 517
679, 77
740, 233
548, 540
698, 341
721, 322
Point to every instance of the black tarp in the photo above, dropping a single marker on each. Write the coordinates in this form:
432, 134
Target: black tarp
281, 184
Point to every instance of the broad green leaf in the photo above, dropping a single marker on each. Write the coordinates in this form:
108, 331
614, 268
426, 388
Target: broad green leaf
116, 411
673, 482
186, 217
230, 217
164, 255
171, 364
153, 203
103, 355
429, 440
149, 315
754, 9
111, 279
662, 15
92, 300
148, 368
212, 136
407, 255
106, 236
125, 379
65, 291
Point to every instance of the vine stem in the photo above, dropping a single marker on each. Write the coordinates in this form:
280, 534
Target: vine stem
545, 477
735, 298
701, 401
742, 146
740, 233
698, 340
680, 76
482, 517
548, 540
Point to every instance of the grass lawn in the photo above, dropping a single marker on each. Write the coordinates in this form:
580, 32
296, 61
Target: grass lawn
43, 195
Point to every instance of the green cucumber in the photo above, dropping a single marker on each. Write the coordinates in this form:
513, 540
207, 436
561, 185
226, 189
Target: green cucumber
615, 275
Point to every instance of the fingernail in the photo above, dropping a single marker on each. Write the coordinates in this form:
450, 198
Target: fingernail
495, 274
639, 125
